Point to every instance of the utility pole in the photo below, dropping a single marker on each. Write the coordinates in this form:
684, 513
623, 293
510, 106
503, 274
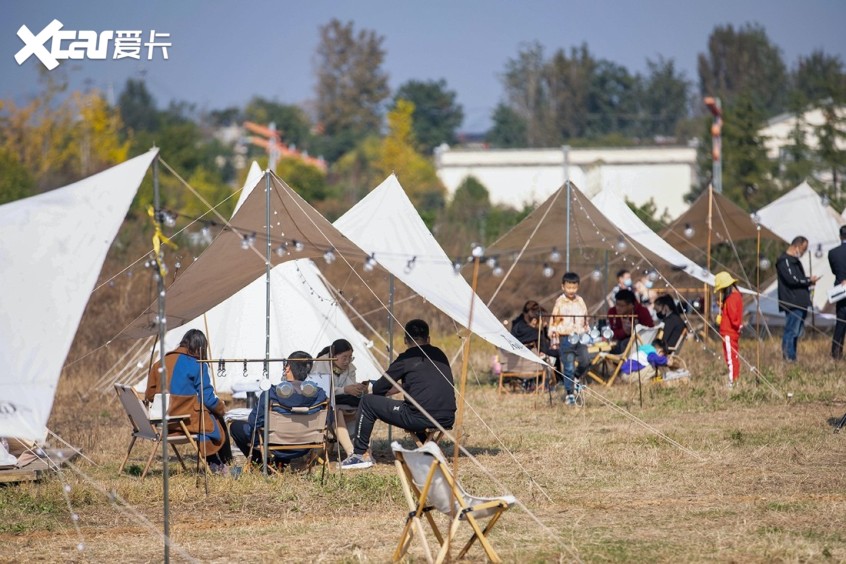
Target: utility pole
716, 108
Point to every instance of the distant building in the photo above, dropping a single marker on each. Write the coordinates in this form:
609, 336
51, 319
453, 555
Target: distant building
520, 176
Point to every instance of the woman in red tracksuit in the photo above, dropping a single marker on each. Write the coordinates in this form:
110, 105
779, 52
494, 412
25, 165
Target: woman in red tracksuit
730, 321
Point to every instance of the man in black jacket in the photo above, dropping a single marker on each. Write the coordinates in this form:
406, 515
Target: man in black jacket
794, 294
423, 370
837, 261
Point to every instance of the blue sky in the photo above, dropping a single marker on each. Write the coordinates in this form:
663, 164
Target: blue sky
223, 53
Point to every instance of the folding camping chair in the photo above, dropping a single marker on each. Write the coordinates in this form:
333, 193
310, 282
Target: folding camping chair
296, 429
605, 366
428, 484
676, 367
518, 370
148, 427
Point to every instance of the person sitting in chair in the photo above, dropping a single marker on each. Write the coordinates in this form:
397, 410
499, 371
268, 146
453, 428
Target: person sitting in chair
425, 375
191, 392
348, 391
525, 327
245, 433
668, 314
620, 319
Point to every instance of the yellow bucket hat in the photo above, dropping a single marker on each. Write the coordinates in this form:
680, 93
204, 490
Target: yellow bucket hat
723, 280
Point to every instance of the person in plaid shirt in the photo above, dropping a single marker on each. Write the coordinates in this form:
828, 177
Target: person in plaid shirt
569, 317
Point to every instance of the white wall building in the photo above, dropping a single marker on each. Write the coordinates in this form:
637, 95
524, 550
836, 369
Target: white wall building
519, 176
777, 131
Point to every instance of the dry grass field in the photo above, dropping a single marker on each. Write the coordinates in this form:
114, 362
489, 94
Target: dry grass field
697, 473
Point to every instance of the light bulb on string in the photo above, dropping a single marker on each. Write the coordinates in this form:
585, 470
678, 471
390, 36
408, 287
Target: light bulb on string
169, 219
409, 266
282, 250
652, 276
555, 256
819, 252
248, 240
689, 231
596, 274
621, 245
329, 256
456, 266
370, 263
478, 251
548, 271
763, 262
298, 245
491, 262
206, 232
498, 271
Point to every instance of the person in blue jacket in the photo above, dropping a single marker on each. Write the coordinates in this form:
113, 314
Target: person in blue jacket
296, 370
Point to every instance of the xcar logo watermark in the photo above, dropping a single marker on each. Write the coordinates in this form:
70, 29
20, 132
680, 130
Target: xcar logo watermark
53, 44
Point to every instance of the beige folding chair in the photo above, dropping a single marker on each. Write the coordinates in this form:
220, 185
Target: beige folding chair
428, 484
297, 430
517, 369
148, 427
605, 367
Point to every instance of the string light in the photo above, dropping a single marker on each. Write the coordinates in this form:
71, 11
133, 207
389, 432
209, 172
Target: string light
819, 252
298, 245
409, 266
248, 240
548, 271
555, 256
621, 245
491, 262
763, 262
282, 250
370, 263
478, 251
456, 266
498, 271
652, 275
329, 256
689, 231
596, 275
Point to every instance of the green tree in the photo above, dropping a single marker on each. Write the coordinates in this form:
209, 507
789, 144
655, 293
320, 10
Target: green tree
663, 99
527, 93
747, 171
351, 86
436, 113
309, 181
796, 160
648, 213
16, 182
291, 121
469, 210
509, 128
138, 107
612, 102
818, 77
743, 62
415, 172
832, 137
570, 83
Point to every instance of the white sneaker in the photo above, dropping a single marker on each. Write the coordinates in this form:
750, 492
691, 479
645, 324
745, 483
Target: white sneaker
356, 462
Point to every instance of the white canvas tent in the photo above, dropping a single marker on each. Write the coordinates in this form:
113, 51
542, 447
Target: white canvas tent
615, 209
308, 319
386, 224
801, 212
53, 248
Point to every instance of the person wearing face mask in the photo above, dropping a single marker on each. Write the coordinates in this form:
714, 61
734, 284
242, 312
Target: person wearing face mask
667, 312
624, 282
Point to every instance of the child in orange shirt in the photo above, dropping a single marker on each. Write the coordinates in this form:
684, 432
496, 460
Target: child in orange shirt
730, 321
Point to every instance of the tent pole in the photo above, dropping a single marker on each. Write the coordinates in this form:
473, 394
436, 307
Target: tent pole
758, 307
465, 361
163, 380
266, 373
707, 299
208, 339
811, 275
567, 235
390, 334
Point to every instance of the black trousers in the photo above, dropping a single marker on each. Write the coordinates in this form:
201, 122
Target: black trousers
839, 331
392, 412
